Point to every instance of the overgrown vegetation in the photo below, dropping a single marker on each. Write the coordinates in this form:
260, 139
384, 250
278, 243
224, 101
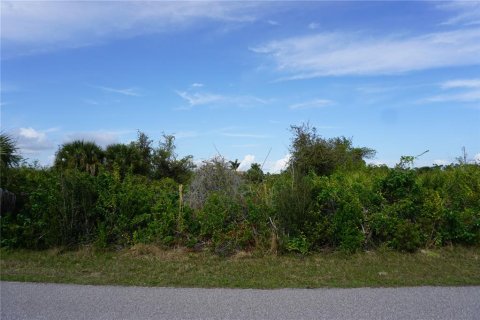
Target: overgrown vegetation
327, 198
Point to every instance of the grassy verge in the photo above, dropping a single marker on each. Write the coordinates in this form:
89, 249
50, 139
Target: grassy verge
151, 266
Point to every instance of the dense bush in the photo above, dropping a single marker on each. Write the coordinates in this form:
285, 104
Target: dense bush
139, 194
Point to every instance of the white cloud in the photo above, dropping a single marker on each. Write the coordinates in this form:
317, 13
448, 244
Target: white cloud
441, 162
313, 25
461, 83
464, 12
339, 54
48, 25
197, 98
477, 158
381, 162
280, 164
31, 133
273, 22
469, 96
197, 85
376, 162
125, 92
246, 162
313, 104
465, 90
102, 138
32, 141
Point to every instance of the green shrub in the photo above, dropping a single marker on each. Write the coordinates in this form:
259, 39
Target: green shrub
407, 237
298, 244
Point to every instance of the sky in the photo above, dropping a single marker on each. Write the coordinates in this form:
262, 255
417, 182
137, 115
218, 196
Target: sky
230, 78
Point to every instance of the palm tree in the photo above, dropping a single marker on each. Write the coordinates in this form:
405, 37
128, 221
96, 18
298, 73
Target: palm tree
9, 156
85, 156
122, 157
234, 164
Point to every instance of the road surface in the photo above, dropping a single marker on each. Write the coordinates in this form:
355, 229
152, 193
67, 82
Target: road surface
59, 301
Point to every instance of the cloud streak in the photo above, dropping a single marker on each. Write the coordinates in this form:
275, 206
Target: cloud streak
199, 98
464, 12
341, 54
48, 25
459, 90
313, 104
126, 92
462, 83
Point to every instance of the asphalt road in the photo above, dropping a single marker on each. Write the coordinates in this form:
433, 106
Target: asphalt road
57, 301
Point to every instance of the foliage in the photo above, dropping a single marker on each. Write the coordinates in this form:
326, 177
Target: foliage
9, 156
166, 165
255, 173
56, 208
85, 156
213, 176
298, 244
136, 194
123, 159
311, 152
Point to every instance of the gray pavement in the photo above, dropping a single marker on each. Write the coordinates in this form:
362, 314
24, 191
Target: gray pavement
58, 301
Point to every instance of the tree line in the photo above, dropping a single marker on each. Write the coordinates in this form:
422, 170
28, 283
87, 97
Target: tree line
327, 198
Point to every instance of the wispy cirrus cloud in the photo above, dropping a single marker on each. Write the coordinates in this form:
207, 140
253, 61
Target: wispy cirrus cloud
342, 54
39, 26
312, 104
469, 96
462, 83
203, 98
126, 92
199, 98
463, 12
458, 90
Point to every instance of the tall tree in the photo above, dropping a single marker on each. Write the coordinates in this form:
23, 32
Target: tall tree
79, 154
234, 164
166, 164
124, 158
311, 152
255, 173
143, 145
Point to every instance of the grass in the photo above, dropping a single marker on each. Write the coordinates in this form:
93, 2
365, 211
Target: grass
146, 265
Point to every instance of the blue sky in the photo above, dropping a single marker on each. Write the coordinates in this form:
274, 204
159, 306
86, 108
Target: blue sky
231, 77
